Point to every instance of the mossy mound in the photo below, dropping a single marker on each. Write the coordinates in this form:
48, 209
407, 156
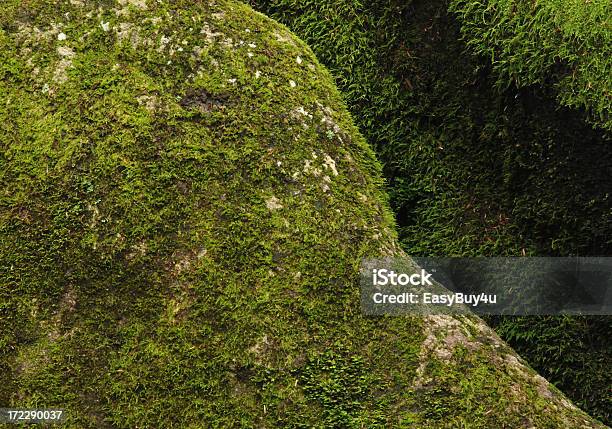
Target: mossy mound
185, 203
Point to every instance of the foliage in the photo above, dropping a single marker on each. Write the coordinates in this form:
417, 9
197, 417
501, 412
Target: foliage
565, 44
185, 203
470, 170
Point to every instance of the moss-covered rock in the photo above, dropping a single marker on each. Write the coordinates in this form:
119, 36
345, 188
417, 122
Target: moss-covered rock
184, 206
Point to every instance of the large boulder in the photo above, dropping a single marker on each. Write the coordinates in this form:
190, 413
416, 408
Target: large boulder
184, 206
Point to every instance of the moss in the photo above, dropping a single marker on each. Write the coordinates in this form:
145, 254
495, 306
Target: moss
472, 169
147, 277
184, 208
475, 167
571, 352
466, 381
561, 44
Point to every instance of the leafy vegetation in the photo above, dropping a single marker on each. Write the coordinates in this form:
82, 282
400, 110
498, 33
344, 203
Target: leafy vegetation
566, 45
571, 352
471, 171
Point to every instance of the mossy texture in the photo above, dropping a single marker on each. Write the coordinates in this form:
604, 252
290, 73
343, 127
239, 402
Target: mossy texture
474, 167
184, 206
571, 352
566, 44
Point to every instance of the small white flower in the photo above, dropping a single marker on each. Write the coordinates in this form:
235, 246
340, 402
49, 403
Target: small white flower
232, 81
257, 74
61, 36
45, 88
299, 60
292, 84
252, 45
105, 26
247, 30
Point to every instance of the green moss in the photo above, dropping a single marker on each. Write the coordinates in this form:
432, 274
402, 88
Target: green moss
181, 225
472, 170
572, 353
179, 218
562, 44
475, 167
467, 381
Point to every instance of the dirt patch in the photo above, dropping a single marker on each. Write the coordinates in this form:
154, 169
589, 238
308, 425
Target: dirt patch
204, 101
